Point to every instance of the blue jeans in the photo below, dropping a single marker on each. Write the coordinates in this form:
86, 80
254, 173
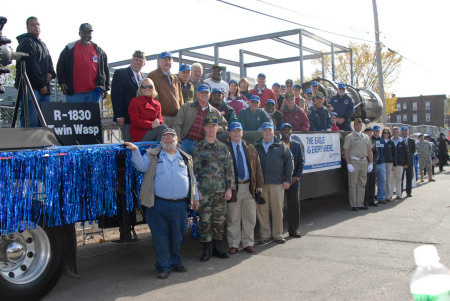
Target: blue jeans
91, 96
187, 145
34, 120
381, 181
167, 221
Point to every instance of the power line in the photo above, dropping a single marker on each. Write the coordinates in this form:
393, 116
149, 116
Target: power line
292, 22
315, 28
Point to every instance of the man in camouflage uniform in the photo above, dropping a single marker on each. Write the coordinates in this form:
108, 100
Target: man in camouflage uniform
424, 149
213, 169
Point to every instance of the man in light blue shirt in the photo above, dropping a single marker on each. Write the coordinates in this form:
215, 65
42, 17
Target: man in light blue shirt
169, 186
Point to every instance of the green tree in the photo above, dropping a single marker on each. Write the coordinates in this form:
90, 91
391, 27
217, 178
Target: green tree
364, 67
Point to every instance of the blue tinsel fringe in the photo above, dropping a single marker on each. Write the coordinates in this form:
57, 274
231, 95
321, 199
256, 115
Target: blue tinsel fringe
63, 185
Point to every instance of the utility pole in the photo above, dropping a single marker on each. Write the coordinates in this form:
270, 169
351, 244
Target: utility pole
379, 63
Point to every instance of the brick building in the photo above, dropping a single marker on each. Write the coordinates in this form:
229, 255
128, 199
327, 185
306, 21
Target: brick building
417, 110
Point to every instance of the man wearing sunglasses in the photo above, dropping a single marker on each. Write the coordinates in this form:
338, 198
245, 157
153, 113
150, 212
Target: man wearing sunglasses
343, 105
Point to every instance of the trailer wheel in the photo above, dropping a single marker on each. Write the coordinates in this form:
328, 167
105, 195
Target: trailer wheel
31, 262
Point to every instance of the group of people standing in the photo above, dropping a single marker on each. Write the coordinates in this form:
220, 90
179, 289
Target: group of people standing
82, 69
384, 159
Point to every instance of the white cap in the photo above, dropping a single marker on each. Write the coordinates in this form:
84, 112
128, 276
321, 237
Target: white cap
426, 255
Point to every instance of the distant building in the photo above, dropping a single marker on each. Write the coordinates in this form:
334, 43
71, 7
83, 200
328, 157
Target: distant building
418, 110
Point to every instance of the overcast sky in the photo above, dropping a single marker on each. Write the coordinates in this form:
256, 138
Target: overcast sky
418, 30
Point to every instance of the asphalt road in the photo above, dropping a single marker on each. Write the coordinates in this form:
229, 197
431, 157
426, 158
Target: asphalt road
343, 255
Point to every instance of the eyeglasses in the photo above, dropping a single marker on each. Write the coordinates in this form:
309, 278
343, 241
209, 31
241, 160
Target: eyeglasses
146, 87
309, 93
385, 132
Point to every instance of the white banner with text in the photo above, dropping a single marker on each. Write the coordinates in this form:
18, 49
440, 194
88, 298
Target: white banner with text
322, 151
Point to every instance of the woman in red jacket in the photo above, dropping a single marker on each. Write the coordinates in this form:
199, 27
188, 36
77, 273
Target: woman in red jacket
145, 114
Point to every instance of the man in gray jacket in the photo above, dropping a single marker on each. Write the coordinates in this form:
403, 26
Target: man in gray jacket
277, 165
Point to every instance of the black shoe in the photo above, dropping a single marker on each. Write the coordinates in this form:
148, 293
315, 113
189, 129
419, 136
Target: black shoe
295, 234
355, 209
409, 196
374, 204
180, 269
217, 251
163, 274
363, 208
206, 252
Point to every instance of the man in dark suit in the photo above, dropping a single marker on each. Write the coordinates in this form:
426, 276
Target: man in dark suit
293, 193
125, 84
409, 172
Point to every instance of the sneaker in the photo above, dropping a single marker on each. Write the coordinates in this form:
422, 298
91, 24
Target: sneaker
280, 241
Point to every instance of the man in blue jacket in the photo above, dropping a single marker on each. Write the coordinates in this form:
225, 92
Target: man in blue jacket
319, 120
277, 166
293, 193
124, 86
39, 68
343, 105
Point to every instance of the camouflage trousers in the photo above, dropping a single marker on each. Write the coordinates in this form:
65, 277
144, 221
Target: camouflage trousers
212, 212
424, 163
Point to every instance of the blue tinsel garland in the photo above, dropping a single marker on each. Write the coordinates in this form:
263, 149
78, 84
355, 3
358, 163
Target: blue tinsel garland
63, 185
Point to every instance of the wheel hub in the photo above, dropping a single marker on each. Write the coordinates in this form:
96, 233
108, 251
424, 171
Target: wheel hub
24, 255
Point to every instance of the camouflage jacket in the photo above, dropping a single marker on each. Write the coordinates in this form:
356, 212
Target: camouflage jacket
213, 167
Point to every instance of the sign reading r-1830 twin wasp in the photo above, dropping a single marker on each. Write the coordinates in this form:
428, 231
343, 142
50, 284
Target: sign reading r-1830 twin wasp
74, 123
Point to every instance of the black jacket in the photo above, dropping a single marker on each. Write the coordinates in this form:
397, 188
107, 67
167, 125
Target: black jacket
277, 165
411, 150
319, 120
123, 89
299, 161
64, 68
38, 63
277, 119
389, 153
401, 152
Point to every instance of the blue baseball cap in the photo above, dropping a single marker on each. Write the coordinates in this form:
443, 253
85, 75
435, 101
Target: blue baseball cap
203, 87
235, 126
314, 83
334, 114
164, 54
211, 120
405, 128
270, 101
184, 67
376, 127
285, 125
261, 75
309, 90
255, 98
233, 81
276, 84
267, 125
216, 90
86, 27
341, 86
297, 85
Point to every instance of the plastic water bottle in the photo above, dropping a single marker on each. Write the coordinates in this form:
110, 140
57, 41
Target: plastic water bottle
431, 279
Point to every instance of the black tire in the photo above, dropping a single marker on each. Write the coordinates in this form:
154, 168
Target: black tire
33, 271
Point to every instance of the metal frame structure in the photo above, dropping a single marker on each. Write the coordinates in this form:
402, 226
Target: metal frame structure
305, 53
